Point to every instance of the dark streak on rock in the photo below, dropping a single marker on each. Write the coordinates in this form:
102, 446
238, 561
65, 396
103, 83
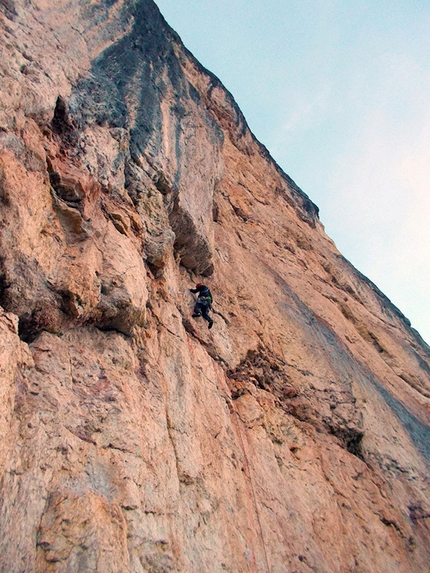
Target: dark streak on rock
7, 7
419, 432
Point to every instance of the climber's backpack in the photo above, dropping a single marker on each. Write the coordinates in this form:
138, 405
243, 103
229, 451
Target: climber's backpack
205, 295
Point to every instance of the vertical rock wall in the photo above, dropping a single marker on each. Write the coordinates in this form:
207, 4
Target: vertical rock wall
292, 437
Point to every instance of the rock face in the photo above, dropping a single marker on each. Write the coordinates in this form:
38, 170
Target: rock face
292, 437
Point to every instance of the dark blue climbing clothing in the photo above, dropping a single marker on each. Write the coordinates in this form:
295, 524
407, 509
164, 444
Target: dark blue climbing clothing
203, 303
203, 292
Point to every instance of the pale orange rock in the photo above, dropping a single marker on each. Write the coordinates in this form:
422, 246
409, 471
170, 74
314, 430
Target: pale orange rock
291, 437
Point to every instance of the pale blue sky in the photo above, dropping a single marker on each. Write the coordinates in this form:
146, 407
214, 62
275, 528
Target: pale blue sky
338, 91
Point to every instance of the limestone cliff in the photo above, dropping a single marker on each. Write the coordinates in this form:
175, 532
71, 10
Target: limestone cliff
292, 437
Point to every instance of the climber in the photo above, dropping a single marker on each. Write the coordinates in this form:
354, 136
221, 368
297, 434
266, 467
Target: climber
203, 303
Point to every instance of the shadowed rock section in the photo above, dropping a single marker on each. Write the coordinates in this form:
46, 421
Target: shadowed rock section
291, 437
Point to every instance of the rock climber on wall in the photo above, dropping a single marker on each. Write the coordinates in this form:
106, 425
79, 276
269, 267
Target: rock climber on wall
203, 303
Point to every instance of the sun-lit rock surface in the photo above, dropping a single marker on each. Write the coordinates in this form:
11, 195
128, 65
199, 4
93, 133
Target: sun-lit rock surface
292, 437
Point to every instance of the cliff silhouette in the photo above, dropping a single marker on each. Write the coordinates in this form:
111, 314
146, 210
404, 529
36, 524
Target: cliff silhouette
291, 437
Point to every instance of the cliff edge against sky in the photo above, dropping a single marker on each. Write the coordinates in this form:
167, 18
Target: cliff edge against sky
292, 437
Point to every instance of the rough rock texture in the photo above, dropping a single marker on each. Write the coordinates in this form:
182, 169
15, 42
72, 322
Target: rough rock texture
292, 437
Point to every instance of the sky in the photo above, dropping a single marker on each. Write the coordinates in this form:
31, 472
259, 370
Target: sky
339, 92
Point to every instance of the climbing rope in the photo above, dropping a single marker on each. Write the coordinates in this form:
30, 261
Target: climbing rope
252, 498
